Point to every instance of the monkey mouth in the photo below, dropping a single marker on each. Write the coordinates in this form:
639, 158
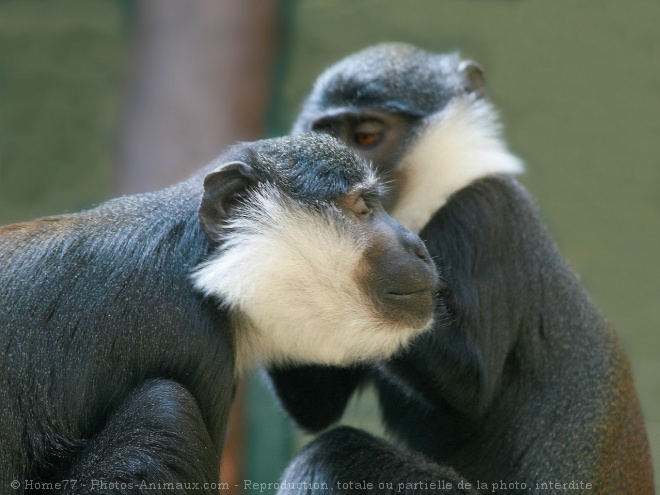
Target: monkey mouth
403, 295
411, 306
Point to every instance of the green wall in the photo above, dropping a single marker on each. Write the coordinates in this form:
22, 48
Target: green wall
60, 74
578, 84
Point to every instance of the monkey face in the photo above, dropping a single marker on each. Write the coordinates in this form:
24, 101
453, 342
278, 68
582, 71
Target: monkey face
379, 99
395, 271
309, 262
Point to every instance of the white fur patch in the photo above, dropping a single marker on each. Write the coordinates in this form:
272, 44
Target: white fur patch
461, 143
288, 275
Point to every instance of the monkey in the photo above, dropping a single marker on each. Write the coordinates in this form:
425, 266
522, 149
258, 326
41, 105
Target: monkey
123, 328
521, 382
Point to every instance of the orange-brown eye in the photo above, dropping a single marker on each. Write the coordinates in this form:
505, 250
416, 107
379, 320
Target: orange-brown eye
366, 139
368, 133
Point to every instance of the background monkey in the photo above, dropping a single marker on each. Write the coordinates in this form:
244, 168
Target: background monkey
115, 366
521, 380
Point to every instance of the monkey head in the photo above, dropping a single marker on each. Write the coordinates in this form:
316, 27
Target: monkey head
420, 118
310, 264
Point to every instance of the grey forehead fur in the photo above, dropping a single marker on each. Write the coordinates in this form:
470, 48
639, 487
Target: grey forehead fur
390, 76
311, 167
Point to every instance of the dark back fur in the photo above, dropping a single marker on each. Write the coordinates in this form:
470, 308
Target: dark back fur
85, 315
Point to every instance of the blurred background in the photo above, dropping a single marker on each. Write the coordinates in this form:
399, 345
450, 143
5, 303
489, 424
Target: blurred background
107, 97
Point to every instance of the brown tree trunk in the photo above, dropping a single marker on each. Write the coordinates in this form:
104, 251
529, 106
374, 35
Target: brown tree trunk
199, 81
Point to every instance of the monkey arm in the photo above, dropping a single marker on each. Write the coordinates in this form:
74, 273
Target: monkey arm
347, 460
520, 341
315, 396
491, 279
156, 437
485, 242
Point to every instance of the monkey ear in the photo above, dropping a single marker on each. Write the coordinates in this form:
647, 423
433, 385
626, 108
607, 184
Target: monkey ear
473, 77
223, 188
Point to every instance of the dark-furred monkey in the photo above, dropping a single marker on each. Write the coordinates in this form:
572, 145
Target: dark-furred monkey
522, 381
123, 328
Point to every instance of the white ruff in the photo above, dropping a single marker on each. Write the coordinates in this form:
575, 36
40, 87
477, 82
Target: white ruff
288, 276
461, 143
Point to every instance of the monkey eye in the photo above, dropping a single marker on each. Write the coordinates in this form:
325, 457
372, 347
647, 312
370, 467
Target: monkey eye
361, 208
359, 204
368, 133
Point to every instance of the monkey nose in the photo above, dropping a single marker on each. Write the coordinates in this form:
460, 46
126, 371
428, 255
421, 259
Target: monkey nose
416, 246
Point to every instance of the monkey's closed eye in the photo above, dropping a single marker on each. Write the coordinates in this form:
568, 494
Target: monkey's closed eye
368, 133
361, 208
